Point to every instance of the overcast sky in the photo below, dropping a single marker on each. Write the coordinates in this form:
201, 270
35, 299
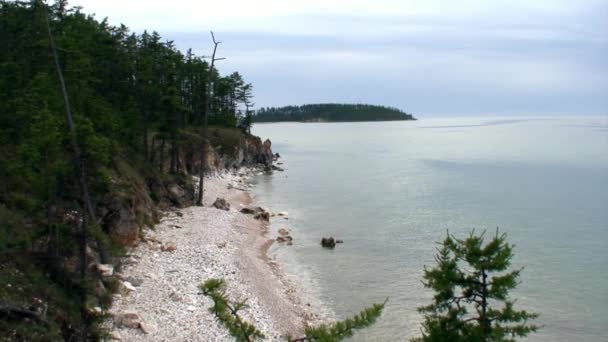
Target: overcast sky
429, 57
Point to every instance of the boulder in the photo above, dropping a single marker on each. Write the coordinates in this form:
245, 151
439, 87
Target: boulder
283, 232
128, 319
125, 288
328, 242
248, 210
221, 204
105, 270
263, 216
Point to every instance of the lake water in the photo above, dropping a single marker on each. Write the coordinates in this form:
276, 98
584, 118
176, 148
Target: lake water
390, 190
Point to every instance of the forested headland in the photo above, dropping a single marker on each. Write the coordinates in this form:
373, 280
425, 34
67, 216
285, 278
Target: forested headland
330, 112
99, 127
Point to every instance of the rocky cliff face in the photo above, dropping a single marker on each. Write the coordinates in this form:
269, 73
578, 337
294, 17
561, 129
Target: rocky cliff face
135, 201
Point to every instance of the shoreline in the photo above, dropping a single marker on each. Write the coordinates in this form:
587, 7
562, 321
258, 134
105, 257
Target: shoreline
194, 244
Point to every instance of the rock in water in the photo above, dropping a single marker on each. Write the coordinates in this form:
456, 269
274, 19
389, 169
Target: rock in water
263, 216
328, 242
283, 232
222, 204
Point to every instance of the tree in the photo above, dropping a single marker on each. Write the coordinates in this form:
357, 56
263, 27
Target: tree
471, 285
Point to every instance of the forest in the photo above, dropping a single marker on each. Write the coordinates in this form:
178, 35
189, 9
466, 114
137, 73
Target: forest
134, 105
330, 112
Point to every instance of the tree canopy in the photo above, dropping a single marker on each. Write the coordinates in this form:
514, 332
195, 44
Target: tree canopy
471, 284
330, 112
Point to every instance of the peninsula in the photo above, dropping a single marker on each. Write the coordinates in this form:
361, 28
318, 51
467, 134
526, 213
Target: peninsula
331, 112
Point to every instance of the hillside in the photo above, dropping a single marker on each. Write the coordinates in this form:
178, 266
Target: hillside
331, 112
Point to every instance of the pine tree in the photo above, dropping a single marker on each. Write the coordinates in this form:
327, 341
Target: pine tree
472, 285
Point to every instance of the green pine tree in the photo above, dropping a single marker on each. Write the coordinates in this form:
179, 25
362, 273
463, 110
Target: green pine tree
471, 282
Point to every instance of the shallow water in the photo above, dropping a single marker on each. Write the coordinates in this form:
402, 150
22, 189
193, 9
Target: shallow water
391, 189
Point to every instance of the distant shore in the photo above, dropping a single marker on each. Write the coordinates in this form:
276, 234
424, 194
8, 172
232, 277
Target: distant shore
209, 243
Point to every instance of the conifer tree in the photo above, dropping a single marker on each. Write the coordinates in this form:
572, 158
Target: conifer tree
472, 283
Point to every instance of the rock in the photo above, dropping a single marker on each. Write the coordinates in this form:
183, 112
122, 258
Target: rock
248, 210
114, 335
283, 232
282, 213
222, 204
179, 214
284, 238
276, 168
221, 244
175, 296
128, 319
339, 241
106, 270
125, 288
169, 247
289, 243
263, 216
191, 308
148, 328
134, 281
328, 242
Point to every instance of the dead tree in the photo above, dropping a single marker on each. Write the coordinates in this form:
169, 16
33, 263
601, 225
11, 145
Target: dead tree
204, 143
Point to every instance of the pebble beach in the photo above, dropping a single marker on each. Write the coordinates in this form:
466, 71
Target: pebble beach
160, 278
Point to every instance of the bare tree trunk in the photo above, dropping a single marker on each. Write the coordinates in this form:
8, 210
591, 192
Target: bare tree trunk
162, 156
89, 212
203, 156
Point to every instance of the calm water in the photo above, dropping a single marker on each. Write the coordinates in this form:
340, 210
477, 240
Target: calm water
391, 189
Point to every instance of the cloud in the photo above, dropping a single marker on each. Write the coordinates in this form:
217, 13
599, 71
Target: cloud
473, 55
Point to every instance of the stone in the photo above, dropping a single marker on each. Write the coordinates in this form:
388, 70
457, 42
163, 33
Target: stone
284, 238
282, 213
147, 328
263, 216
114, 335
125, 288
248, 210
221, 204
328, 242
221, 244
179, 214
106, 270
169, 247
191, 308
128, 319
283, 232
339, 241
135, 281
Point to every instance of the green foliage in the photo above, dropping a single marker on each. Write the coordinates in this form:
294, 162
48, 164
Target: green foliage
227, 312
343, 329
122, 86
471, 283
331, 112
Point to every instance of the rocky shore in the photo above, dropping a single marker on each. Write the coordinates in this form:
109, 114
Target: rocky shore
159, 298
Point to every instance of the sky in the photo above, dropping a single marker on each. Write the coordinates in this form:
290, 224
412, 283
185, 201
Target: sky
430, 57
